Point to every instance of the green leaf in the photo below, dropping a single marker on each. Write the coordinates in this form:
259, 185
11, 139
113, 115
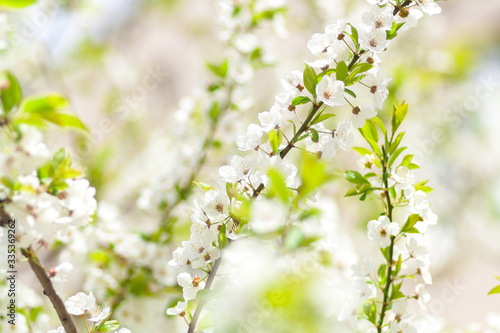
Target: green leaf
409, 226
354, 35
277, 185
16, 3
293, 238
341, 71
420, 186
214, 112
380, 124
395, 143
406, 160
273, 141
382, 273
370, 310
322, 117
398, 115
299, 100
11, 96
495, 290
110, 325
350, 92
369, 131
219, 70
222, 238
313, 174
396, 292
395, 155
203, 185
64, 120
362, 151
355, 177
44, 103
314, 135
310, 80
374, 147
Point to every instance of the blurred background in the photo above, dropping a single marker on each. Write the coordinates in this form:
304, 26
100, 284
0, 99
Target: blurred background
128, 65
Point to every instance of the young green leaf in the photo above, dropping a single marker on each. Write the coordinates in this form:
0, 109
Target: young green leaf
12, 94
299, 100
398, 116
341, 71
310, 80
355, 177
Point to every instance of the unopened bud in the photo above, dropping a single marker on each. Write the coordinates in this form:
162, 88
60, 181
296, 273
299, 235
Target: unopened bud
340, 36
291, 108
356, 110
325, 68
404, 13
370, 60
373, 89
52, 272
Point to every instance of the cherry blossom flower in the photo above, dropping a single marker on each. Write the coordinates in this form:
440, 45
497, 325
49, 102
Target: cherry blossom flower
422, 296
190, 285
343, 135
179, 309
378, 18
80, 303
360, 114
240, 167
366, 161
330, 91
251, 140
373, 39
381, 231
430, 7
270, 119
380, 92
363, 268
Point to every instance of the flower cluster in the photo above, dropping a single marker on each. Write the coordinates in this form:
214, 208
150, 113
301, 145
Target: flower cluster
219, 216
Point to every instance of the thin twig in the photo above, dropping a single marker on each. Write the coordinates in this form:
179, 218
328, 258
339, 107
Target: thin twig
49, 291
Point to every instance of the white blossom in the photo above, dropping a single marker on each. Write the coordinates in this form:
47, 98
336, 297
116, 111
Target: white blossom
179, 309
381, 231
80, 303
360, 114
190, 285
343, 135
330, 91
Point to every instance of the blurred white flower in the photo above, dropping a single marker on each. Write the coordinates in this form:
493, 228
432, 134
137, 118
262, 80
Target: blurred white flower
80, 303
179, 309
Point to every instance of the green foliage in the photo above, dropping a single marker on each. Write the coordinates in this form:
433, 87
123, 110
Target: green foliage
55, 172
275, 139
409, 226
277, 185
495, 290
11, 93
219, 70
398, 115
299, 100
16, 3
203, 185
341, 71
310, 80
313, 174
38, 110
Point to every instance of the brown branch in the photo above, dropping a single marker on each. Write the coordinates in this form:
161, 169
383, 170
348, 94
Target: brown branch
49, 291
